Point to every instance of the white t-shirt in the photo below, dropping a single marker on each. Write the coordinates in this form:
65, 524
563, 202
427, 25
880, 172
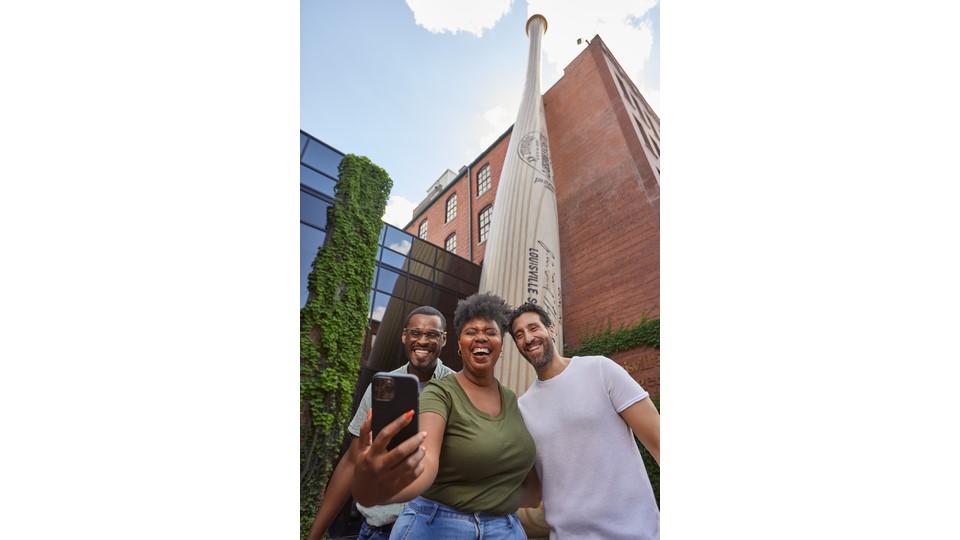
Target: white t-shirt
594, 482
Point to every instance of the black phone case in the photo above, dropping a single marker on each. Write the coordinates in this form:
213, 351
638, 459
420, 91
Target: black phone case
406, 390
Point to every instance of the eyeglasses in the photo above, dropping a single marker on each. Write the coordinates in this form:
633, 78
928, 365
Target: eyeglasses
432, 335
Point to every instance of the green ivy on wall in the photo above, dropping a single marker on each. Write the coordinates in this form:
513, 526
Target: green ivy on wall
333, 323
606, 342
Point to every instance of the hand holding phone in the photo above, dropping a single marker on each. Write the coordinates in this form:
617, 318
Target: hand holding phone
395, 394
379, 474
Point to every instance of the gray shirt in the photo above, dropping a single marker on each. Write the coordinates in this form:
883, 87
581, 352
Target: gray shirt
378, 516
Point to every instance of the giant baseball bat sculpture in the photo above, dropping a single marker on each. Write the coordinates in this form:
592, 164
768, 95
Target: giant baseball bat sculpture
522, 258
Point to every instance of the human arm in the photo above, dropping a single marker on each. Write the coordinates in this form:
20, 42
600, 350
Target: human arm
336, 494
644, 420
433, 426
530, 490
382, 477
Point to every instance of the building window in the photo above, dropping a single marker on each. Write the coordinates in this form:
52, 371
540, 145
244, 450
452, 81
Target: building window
423, 230
451, 207
646, 141
451, 243
485, 222
483, 181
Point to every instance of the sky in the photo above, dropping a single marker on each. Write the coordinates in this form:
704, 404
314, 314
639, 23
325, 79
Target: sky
423, 86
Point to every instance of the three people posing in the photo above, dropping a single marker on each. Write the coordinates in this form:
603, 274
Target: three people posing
469, 469
477, 455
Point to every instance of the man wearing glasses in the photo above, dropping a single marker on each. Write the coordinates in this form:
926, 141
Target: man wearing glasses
423, 337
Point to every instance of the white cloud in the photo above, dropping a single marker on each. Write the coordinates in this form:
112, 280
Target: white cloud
399, 211
402, 247
454, 16
652, 96
497, 121
378, 313
498, 118
616, 21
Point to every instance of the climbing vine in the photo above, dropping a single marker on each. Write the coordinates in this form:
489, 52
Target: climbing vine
608, 341
333, 323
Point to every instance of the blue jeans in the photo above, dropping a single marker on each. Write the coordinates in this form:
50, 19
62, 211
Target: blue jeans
426, 519
369, 532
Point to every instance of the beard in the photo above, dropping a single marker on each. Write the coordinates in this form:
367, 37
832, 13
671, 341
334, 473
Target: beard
429, 365
544, 359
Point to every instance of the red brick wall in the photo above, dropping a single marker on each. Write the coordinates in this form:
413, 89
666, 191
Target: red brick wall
495, 157
643, 364
609, 206
437, 230
609, 224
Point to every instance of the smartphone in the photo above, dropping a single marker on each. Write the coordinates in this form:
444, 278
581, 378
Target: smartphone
393, 395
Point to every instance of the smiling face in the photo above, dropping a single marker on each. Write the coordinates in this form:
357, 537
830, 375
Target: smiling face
423, 351
533, 339
480, 343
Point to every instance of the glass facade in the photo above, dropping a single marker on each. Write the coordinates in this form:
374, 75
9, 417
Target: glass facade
318, 178
410, 272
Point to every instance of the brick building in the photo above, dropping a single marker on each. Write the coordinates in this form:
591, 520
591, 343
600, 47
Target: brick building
604, 146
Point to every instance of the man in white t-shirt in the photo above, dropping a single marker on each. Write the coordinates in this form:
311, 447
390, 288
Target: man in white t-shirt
423, 337
583, 413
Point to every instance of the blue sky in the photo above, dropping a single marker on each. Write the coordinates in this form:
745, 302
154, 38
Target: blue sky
426, 85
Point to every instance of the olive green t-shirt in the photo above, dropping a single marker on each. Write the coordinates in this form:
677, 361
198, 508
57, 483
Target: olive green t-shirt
483, 459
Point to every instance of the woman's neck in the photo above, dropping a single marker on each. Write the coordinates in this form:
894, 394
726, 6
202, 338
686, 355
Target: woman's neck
479, 382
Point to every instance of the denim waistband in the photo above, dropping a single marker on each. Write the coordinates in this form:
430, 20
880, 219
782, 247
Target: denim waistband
382, 529
433, 509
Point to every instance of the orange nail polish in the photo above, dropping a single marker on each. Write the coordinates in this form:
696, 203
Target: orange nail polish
408, 415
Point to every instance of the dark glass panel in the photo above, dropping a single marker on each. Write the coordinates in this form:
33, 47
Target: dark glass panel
446, 280
456, 284
310, 241
466, 288
458, 266
421, 294
424, 251
313, 210
379, 306
303, 142
387, 351
443, 259
322, 158
392, 258
452, 264
420, 270
470, 273
387, 281
317, 181
398, 240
